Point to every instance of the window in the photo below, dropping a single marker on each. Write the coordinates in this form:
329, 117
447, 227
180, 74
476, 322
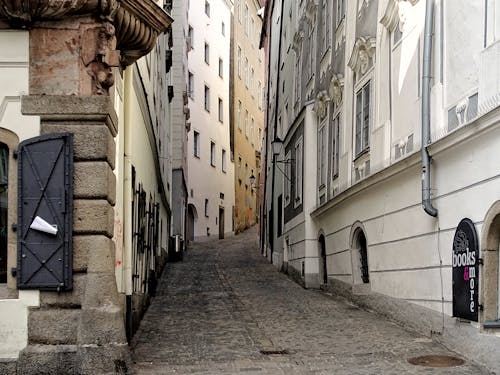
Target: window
206, 207
246, 72
310, 57
221, 110
191, 85
239, 114
238, 9
221, 67
223, 29
340, 11
322, 137
245, 20
260, 142
207, 8
252, 31
207, 98
223, 161
298, 77
252, 88
4, 190
190, 40
246, 123
335, 130
362, 119
239, 62
212, 154
288, 174
298, 173
492, 22
239, 169
252, 131
325, 21
259, 94
196, 144
207, 53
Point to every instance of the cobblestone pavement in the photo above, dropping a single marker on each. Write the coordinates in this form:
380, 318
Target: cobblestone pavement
218, 309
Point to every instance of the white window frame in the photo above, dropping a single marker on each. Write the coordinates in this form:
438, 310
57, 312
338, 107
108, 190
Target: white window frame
239, 62
191, 85
196, 144
212, 154
238, 9
206, 55
322, 154
240, 107
246, 15
221, 110
221, 68
207, 98
246, 123
360, 127
335, 144
246, 72
207, 8
223, 161
287, 183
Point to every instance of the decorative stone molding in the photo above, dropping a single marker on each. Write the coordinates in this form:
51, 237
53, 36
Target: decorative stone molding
336, 88
362, 55
321, 104
137, 23
298, 37
311, 8
396, 14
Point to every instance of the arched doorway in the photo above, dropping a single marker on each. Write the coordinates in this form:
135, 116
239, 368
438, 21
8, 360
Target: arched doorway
490, 275
192, 217
359, 255
323, 269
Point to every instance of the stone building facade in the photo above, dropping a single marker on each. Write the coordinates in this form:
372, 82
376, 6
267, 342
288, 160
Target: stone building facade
59, 65
351, 203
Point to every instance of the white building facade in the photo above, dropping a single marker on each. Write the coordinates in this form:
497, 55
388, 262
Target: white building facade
211, 170
346, 207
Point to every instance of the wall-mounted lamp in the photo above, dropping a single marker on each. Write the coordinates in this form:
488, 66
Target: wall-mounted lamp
277, 146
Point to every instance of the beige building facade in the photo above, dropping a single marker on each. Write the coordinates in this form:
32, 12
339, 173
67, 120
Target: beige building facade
248, 81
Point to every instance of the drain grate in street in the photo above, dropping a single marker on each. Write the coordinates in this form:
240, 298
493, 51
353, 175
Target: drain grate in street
436, 361
274, 352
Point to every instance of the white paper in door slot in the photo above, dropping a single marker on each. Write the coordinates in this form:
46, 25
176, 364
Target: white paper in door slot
41, 225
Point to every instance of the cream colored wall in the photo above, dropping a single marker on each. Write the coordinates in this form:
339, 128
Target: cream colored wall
244, 146
14, 76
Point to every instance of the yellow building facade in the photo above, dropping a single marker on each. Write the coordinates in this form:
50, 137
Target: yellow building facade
247, 110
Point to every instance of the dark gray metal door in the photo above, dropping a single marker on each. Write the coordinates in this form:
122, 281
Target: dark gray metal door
45, 211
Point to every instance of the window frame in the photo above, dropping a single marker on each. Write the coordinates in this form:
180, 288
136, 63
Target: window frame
221, 110
196, 144
206, 55
364, 128
298, 177
213, 157
207, 98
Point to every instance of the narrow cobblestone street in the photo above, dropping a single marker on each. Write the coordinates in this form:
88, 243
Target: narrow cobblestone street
218, 309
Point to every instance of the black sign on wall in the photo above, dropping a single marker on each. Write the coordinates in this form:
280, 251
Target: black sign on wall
465, 262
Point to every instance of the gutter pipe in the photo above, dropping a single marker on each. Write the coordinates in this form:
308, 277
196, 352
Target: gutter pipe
426, 113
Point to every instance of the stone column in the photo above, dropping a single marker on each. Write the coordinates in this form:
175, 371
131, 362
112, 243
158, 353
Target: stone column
74, 45
82, 331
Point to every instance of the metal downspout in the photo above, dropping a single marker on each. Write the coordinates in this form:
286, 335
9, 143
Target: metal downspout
426, 113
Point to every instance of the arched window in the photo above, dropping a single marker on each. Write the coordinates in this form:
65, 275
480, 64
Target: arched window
4, 190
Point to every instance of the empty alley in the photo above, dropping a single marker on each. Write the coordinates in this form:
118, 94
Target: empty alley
225, 310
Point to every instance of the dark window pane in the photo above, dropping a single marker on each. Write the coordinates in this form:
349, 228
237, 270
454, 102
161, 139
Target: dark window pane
4, 181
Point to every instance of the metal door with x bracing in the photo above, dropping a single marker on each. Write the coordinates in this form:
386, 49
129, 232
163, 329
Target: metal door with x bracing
45, 210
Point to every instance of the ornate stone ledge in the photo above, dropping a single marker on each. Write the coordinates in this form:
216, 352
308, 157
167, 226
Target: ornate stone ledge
137, 23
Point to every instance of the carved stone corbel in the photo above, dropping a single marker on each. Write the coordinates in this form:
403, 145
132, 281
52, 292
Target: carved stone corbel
321, 104
336, 88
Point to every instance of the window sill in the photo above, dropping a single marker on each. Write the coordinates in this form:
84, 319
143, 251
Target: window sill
360, 154
489, 324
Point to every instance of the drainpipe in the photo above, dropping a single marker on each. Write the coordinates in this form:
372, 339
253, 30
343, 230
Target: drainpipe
426, 112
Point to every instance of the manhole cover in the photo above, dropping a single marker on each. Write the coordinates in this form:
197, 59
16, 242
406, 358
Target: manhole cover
436, 361
274, 352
